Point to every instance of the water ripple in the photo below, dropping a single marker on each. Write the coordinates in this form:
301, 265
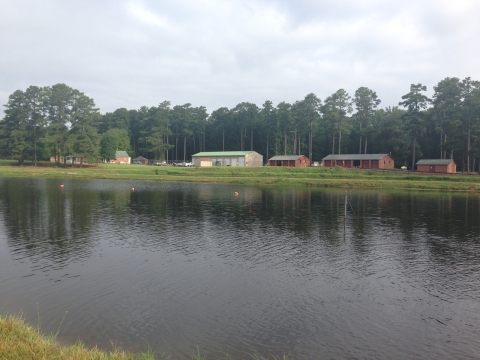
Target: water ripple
272, 271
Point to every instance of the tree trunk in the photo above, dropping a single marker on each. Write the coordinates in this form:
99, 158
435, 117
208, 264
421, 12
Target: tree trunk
360, 147
34, 145
251, 140
64, 155
310, 142
285, 141
185, 149
333, 145
176, 149
223, 140
366, 142
267, 143
295, 142
339, 142
244, 137
468, 152
441, 150
414, 147
445, 151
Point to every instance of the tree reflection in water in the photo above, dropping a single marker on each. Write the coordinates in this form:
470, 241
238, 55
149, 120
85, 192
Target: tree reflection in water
271, 270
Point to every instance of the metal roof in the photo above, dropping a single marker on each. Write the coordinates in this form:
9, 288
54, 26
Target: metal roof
139, 158
434, 162
356, 157
222, 153
121, 154
286, 157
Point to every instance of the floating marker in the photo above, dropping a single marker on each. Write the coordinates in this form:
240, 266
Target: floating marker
133, 189
236, 193
61, 185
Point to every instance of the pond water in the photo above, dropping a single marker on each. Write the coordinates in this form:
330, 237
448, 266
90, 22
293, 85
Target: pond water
270, 271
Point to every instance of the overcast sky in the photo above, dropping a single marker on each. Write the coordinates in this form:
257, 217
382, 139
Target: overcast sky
220, 53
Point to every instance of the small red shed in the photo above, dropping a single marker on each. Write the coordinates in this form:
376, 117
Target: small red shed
289, 160
437, 166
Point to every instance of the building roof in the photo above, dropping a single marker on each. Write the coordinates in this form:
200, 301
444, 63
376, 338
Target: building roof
139, 158
356, 157
121, 154
286, 157
222, 153
434, 162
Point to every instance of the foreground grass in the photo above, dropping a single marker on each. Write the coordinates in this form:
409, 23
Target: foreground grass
19, 341
316, 177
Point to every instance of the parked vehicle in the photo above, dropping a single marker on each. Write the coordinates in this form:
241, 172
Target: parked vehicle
187, 164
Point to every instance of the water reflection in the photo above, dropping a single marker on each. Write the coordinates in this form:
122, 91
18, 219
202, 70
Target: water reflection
44, 223
268, 271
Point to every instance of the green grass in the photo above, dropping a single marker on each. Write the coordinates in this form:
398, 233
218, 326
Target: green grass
314, 177
19, 341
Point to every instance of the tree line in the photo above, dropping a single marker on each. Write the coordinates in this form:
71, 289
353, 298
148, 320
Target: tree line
56, 121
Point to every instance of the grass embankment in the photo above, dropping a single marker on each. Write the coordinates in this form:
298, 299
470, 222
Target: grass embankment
316, 177
19, 341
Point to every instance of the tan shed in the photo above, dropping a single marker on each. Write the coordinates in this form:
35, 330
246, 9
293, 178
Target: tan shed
205, 162
227, 158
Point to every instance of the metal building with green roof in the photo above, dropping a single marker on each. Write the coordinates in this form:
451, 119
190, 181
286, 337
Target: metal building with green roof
227, 158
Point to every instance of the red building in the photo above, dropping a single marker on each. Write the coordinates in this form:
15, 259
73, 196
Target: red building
121, 157
289, 160
365, 161
437, 166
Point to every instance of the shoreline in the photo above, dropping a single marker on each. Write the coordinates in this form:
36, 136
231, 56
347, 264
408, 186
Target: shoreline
19, 341
280, 176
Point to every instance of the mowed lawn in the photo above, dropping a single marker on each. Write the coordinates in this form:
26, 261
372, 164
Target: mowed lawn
312, 176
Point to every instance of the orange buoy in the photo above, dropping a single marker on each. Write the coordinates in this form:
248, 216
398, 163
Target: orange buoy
133, 189
236, 193
61, 185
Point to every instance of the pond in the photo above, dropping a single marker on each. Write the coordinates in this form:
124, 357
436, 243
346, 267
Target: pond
267, 271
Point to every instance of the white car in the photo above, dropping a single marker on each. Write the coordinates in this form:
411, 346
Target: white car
185, 164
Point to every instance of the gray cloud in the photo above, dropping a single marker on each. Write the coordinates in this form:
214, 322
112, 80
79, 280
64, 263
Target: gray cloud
219, 53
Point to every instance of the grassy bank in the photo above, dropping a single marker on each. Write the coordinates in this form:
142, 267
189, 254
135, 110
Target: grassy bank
19, 341
316, 177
